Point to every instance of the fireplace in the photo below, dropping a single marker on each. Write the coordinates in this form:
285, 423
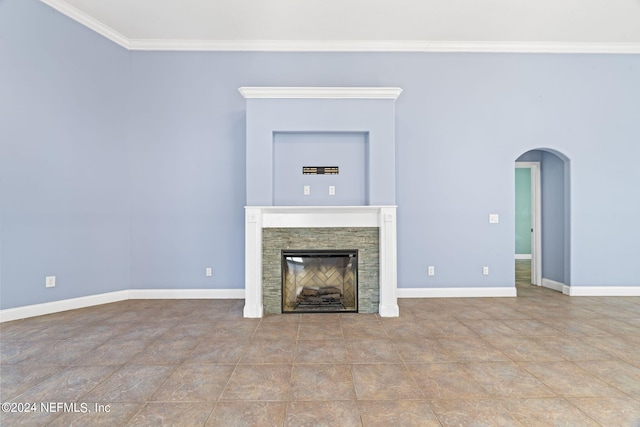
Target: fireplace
319, 281
350, 131
370, 229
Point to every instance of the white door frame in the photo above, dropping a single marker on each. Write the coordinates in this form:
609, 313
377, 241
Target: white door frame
536, 221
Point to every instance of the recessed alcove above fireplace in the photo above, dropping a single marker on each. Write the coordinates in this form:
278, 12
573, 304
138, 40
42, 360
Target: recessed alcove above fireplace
348, 131
295, 151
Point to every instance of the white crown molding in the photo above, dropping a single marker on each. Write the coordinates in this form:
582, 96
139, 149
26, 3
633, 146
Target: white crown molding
337, 45
385, 46
321, 92
532, 47
284, 45
88, 21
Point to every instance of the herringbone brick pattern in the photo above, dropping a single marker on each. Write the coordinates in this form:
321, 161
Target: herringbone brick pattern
318, 273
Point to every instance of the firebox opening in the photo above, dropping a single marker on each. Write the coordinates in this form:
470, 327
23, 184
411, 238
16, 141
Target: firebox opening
319, 281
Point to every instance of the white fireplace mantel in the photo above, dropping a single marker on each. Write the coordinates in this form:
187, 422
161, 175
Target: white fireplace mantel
259, 217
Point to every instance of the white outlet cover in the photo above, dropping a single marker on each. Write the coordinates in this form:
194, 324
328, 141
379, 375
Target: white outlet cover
431, 271
307, 190
208, 272
494, 218
50, 281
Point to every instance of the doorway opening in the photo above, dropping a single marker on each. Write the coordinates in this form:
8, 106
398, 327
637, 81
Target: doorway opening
542, 219
528, 220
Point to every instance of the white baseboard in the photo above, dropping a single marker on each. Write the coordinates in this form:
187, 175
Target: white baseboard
603, 291
91, 300
592, 291
186, 293
552, 284
523, 256
16, 313
506, 291
63, 305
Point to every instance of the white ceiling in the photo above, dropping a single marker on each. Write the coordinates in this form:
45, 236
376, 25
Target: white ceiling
412, 25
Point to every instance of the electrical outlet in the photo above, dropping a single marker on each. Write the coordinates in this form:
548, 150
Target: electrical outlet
50, 282
208, 272
307, 190
431, 271
485, 271
332, 190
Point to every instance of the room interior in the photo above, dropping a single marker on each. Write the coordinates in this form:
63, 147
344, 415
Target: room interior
153, 171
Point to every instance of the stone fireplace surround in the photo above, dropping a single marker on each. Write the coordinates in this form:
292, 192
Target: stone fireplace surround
364, 110
258, 218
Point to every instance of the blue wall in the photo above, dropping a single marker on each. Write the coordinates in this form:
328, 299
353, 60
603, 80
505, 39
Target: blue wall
64, 175
553, 195
127, 170
186, 154
294, 150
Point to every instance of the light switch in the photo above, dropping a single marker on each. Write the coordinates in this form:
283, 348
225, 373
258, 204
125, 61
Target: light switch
494, 218
307, 190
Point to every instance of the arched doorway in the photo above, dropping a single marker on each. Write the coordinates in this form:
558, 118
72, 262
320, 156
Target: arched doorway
547, 173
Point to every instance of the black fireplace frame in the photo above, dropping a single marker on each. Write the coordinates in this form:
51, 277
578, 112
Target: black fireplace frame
329, 253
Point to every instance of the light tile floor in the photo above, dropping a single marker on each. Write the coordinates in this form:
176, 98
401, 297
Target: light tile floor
541, 359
